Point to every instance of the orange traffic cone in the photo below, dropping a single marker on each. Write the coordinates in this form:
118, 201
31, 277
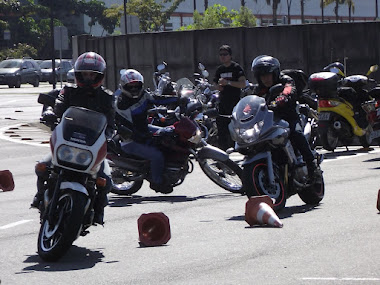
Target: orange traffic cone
259, 211
378, 200
154, 229
6, 180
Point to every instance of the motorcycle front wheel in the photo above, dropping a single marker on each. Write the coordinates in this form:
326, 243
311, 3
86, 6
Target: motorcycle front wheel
328, 137
256, 183
121, 185
313, 194
226, 174
57, 233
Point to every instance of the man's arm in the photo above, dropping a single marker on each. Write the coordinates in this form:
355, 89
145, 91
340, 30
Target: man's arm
237, 84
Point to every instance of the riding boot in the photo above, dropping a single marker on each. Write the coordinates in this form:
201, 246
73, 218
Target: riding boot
42, 177
101, 200
313, 172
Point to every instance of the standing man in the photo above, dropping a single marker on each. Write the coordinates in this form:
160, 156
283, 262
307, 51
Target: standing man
229, 80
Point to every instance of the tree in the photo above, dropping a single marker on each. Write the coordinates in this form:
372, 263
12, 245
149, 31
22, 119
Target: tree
349, 3
152, 15
288, 3
218, 16
274, 4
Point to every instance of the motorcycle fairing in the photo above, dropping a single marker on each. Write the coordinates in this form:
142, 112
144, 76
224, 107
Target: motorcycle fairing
82, 130
74, 186
210, 151
346, 112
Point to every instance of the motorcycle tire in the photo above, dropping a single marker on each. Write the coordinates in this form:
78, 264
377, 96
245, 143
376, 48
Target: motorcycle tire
365, 140
255, 183
313, 194
328, 137
55, 239
226, 174
127, 188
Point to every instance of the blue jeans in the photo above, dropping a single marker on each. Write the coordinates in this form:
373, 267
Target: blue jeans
155, 156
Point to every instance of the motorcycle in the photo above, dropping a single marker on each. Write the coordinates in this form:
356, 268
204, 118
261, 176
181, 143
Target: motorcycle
179, 143
341, 118
79, 147
271, 165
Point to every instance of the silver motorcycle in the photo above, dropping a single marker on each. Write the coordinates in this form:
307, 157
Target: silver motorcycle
271, 165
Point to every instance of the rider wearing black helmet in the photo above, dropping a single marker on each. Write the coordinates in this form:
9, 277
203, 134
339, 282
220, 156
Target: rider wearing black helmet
267, 72
88, 93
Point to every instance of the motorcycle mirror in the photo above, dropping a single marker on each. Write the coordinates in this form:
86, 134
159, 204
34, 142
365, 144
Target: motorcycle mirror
205, 73
276, 89
161, 66
122, 71
201, 66
373, 68
46, 99
337, 71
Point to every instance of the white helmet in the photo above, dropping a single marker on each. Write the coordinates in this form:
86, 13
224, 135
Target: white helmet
131, 83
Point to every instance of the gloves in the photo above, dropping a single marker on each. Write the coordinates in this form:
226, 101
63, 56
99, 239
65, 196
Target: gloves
281, 100
49, 118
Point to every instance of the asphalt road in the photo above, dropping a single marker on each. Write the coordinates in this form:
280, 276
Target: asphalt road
336, 242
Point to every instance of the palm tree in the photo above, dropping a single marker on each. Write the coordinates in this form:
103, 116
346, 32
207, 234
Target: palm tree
274, 4
242, 3
206, 4
350, 4
289, 3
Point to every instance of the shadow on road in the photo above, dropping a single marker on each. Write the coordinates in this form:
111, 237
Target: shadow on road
336, 154
120, 201
287, 212
75, 259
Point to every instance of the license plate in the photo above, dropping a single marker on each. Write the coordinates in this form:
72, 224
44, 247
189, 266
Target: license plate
375, 134
324, 116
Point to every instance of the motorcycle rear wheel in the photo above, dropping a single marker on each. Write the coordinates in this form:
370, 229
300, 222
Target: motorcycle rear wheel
255, 183
226, 174
328, 137
127, 188
313, 194
56, 238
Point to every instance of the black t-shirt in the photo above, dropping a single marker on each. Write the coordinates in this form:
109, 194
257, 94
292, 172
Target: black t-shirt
229, 96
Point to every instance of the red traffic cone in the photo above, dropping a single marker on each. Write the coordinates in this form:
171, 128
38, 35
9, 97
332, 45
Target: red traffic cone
6, 180
259, 211
378, 200
154, 229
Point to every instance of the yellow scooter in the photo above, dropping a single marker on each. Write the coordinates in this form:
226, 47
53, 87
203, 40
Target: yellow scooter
340, 117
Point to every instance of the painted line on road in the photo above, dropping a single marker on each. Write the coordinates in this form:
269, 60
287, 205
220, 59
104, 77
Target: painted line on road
7, 138
7, 102
340, 279
11, 225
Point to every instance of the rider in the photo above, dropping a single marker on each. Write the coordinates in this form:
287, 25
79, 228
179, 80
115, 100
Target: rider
89, 93
131, 106
266, 70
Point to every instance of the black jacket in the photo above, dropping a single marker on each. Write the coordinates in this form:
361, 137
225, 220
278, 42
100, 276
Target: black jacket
286, 111
99, 100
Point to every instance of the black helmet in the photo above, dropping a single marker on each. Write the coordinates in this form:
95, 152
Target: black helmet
265, 64
89, 62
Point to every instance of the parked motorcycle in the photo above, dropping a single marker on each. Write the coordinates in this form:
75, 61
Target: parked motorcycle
78, 144
341, 118
271, 165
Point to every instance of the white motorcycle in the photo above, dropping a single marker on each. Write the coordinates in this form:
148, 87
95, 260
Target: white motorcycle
79, 147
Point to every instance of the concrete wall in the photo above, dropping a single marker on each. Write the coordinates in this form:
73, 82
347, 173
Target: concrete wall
308, 47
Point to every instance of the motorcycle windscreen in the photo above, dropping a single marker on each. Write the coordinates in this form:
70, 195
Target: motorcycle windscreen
249, 110
82, 126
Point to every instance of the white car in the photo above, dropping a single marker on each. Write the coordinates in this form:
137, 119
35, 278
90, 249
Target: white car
71, 76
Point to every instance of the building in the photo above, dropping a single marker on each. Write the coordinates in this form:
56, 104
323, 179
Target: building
364, 10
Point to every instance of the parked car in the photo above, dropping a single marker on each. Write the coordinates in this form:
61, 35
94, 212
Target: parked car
71, 76
61, 69
16, 71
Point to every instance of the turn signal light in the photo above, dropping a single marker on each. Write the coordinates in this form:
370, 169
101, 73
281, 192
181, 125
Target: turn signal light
101, 182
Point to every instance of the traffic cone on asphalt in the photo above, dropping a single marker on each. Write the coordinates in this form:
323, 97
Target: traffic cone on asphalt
154, 229
378, 200
6, 180
259, 211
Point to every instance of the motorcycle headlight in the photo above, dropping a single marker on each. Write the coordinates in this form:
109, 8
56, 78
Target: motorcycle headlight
74, 155
252, 134
195, 139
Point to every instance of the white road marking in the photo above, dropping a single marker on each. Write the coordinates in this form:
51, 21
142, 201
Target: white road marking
7, 138
11, 225
340, 279
8, 102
